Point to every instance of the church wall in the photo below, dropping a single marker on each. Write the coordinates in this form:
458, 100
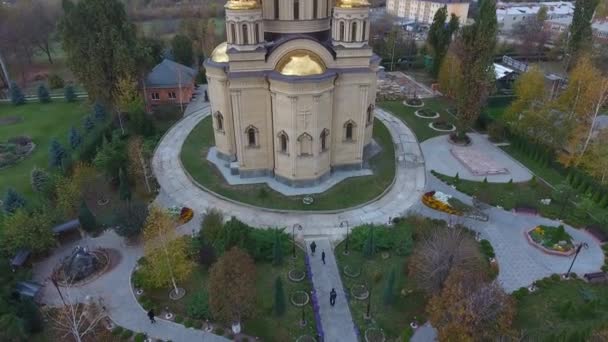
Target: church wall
250, 100
219, 98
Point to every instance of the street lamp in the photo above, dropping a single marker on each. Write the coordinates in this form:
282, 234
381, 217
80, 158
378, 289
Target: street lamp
293, 240
578, 250
342, 225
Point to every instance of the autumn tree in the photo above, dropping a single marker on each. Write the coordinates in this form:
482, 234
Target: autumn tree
231, 291
138, 161
475, 49
167, 259
581, 103
450, 75
28, 230
469, 309
595, 161
77, 320
440, 36
438, 253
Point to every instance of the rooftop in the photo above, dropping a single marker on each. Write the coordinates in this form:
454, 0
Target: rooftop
168, 74
557, 7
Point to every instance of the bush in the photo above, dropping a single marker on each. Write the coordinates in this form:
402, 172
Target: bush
198, 325
555, 277
43, 94
496, 131
188, 323
520, 293
69, 94
126, 334
117, 331
17, 97
385, 238
407, 334
179, 319
140, 337
55, 81
198, 307
487, 249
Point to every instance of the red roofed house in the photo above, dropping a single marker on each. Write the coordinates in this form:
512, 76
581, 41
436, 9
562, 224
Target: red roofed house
169, 83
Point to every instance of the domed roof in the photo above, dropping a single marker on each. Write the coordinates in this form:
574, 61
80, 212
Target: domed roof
242, 4
352, 3
219, 54
301, 63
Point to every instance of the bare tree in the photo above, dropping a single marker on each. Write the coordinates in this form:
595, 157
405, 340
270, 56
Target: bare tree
75, 319
441, 251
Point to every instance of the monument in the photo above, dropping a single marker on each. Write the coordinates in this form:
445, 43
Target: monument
292, 91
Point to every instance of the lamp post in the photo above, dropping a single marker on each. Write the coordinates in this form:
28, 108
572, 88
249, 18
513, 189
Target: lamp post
578, 250
303, 321
342, 225
293, 238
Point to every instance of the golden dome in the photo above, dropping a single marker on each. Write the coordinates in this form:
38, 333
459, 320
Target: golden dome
301, 63
219, 54
242, 4
352, 3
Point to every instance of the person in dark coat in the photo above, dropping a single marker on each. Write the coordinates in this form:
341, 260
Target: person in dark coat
323, 257
332, 297
313, 247
151, 316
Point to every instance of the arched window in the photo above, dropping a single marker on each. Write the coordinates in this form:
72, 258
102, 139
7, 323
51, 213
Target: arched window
324, 136
349, 130
353, 36
257, 34
283, 142
276, 9
364, 29
296, 9
252, 136
233, 33
245, 35
315, 8
341, 31
219, 121
305, 141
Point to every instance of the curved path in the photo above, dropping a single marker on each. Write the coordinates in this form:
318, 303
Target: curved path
178, 189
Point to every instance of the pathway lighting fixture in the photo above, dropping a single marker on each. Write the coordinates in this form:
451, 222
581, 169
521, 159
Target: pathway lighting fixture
293, 239
342, 225
578, 250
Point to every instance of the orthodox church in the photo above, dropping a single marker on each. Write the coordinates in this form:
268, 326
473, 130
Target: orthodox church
292, 91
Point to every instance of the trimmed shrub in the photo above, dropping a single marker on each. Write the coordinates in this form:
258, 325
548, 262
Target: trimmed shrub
117, 331
188, 323
179, 319
17, 97
140, 337
55, 81
486, 248
198, 306
43, 94
69, 94
126, 334
12, 201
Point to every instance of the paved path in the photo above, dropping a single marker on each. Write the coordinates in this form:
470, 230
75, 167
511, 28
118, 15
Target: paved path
520, 263
179, 188
336, 321
439, 158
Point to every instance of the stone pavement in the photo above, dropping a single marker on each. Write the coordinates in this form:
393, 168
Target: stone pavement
438, 157
520, 263
336, 321
181, 190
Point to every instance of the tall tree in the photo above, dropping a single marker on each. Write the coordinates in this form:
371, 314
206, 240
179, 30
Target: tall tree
181, 47
167, 255
450, 75
12, 201
595, 161
28, 230
231, 296
130, 219
56, 154
86, 218
580, 30
440, 36
123, 188
100, 44
475, 49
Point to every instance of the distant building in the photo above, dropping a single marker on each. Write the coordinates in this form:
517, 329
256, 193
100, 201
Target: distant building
169, 83
423, 11
510, 15
556, 27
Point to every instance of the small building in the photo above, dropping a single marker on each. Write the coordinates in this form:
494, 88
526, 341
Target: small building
512, 14
556, 27
423, 11
169, 83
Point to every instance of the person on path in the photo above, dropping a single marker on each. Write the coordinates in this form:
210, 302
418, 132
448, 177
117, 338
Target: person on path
151, 316
323, 257
332, 297
313, 247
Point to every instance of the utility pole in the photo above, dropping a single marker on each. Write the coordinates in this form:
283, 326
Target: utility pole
4, 71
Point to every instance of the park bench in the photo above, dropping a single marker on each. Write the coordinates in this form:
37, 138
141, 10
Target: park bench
596, 277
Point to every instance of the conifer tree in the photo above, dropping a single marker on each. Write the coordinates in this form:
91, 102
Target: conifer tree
124, 190
75, 138
39, 179
86, 218
69, 94
43, 94
17, 97
580, 30
88, 124
56, 154
389, 288
99, 111
279, 297
12, 201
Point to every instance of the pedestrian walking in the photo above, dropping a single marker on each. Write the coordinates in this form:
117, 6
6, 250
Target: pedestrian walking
323, 257
313, 247
332, 297
151, 316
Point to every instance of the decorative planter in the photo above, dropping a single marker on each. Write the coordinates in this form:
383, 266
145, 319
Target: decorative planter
296, 275
420, 113
351, 272
177, 295
419, 105
102, 201
566, 252
139, 292
308, 200
299, 298
359, 292
434, 200
385, 255
169, 316
432, 126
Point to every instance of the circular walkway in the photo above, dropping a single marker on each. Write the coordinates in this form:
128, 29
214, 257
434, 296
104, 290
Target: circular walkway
178, 189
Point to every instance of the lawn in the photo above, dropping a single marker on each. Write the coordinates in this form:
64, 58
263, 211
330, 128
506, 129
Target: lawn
347, 193
263, 324
41, 122
526, 194
561, 310
551, 175
420, 126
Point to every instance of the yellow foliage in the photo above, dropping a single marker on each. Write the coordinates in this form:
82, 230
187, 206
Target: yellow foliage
530, 91
450, 75
69, 196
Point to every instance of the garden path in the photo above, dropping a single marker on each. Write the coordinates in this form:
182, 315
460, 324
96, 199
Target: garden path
177, 188
520, 263
336, 322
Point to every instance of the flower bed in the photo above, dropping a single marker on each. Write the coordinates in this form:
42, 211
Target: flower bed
359, 292
299, 298
296, 275
426, 114
442, 126
413, 102
439, 201
553, 240
14, 150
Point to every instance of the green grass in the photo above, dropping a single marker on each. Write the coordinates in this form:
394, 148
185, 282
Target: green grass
41, 122
347, 193
551, 175
392, 318
263, 323
562, 307
420, 126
